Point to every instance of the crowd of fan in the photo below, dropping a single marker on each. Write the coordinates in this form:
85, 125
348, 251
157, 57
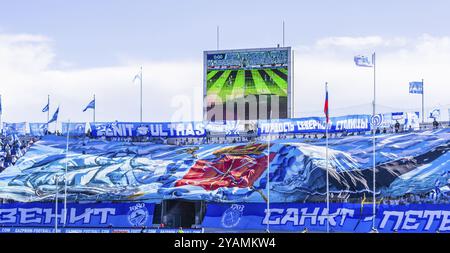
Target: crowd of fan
12, 148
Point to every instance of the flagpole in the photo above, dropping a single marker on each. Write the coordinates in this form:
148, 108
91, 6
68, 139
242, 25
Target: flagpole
48, 111
268, 170
141, 93
293, 85
326, 165
423, 110
374, 141
1, 112
56, 204
217, 37
94, 107
65, 175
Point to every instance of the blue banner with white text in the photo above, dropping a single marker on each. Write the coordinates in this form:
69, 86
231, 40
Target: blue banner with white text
161, 129
96, 215
352, 123
343, 217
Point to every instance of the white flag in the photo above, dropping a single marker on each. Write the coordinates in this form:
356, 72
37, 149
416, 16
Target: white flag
363, 61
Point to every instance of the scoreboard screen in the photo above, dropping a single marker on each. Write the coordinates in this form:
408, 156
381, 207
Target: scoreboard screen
238, 79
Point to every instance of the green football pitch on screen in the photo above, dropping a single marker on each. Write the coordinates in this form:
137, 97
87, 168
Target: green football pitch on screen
240, 83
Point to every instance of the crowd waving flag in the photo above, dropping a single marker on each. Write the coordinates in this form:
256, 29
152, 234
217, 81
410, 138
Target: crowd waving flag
91, 105
55, 116
363, 61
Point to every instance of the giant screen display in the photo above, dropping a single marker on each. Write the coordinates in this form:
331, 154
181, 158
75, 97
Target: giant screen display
247, 84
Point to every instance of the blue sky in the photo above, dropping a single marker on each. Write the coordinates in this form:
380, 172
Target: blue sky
98, 33
73, 49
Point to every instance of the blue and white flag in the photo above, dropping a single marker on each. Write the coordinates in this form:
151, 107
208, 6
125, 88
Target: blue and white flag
435, 114
55, 116
138, 76
91, 105
73, 128
363, 61
377, 120
45, 109
397, 115
416, 87
0, 104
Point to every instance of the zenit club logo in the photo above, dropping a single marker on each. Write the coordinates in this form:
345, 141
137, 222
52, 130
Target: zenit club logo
138, 215
232, 216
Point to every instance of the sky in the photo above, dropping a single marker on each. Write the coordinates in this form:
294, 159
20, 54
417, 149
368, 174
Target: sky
72, 50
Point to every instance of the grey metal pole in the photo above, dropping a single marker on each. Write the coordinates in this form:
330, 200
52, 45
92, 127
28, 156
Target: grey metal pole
374, 141
56, 204
1, 111
217, 37
293, 85
423, 104
283, 33
141, 93
326, 168
268, 170
48, 111
95, 105
65, 175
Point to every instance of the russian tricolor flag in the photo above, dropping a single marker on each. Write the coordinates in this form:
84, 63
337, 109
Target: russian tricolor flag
325, 108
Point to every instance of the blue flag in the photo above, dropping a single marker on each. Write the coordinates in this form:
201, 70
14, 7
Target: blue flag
55, 116
45, 109
435, 114
91, 105
0, 104
363, 61
416, 87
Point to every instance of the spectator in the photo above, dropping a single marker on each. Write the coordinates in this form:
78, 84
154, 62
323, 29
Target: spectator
435, 124
397, 126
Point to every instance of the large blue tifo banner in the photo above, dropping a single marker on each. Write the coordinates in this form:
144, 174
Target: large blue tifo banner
353, 123
74, 129
14, 128
342, 217
38, 129
94, 215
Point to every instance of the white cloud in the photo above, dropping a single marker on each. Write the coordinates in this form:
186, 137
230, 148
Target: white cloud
351, 88
26, 77
359, 42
